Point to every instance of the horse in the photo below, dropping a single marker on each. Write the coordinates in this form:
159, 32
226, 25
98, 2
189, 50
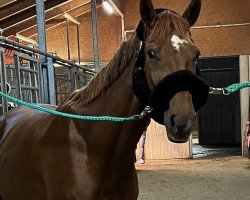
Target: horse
48, 157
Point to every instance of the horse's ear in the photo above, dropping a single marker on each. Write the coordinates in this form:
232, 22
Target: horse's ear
147, 12
192, 12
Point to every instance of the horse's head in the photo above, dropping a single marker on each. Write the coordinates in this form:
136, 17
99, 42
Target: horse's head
169, 48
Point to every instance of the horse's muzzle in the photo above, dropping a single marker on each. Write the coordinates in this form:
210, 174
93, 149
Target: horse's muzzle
179, 126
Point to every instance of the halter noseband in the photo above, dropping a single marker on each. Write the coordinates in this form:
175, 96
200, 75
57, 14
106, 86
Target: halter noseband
159, 97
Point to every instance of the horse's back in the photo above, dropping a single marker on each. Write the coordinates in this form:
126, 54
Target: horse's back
20, 129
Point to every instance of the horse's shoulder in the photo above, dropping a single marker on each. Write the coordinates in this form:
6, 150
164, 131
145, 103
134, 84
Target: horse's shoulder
24, 118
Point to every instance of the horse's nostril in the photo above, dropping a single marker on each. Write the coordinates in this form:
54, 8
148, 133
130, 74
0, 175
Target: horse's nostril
173, 125
172, 120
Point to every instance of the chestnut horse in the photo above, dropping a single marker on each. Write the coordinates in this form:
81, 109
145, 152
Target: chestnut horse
47, 157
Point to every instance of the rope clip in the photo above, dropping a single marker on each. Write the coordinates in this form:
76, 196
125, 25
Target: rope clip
146, 111
218, 91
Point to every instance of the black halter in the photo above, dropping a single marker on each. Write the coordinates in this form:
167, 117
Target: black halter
158, 98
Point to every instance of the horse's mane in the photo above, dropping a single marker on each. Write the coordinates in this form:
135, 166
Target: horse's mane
106, 76
166, 22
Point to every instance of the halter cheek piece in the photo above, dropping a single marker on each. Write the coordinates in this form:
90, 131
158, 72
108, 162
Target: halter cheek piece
160, 96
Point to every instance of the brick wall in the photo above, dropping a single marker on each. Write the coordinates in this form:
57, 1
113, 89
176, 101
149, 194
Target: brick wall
109, 36
212, 41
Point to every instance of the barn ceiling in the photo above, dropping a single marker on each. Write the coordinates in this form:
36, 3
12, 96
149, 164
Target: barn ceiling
19, 16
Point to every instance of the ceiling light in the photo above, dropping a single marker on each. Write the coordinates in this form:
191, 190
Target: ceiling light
108, 7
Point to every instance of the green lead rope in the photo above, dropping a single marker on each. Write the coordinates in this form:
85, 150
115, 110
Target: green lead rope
230, 89
54, 112
237, 86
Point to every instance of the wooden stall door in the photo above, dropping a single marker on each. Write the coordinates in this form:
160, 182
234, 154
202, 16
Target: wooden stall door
159, 147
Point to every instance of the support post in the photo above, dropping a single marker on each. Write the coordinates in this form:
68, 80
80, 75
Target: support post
51, 78
67, 29
42, 46
78, 43
95, 34
3, 80
244, 98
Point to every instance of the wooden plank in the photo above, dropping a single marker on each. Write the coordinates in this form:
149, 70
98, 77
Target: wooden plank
159, 147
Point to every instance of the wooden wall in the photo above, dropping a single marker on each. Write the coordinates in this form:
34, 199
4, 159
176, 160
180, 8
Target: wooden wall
159, 147
244, 97
109, 37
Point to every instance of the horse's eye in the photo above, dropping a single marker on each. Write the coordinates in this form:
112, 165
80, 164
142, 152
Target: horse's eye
152, 54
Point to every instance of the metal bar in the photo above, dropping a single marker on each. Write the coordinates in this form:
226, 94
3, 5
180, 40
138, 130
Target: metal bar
41, 27
78, 43
62, 78
218, 70
39, 82
51, 78
95, 34
42, 45
28, 70
30, 84
17, 73
24, 87
6, 43
67, 31
27, 57
3, 81
72, 79
45, 83
33, 82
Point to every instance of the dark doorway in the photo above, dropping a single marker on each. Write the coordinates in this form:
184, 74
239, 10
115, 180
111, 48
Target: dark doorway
219, 120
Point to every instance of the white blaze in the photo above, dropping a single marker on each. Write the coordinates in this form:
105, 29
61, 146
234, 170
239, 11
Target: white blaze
177, 42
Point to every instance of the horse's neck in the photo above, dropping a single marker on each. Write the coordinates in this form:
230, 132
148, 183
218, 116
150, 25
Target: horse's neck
118, 101
110, 92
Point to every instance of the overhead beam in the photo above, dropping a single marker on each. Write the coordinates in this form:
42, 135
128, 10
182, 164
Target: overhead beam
50, 14
6, 2
30, 12
77, 12
23, 38
51, 23
14, 7
70, 18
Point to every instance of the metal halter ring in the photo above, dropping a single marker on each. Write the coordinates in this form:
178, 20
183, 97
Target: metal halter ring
218, 91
